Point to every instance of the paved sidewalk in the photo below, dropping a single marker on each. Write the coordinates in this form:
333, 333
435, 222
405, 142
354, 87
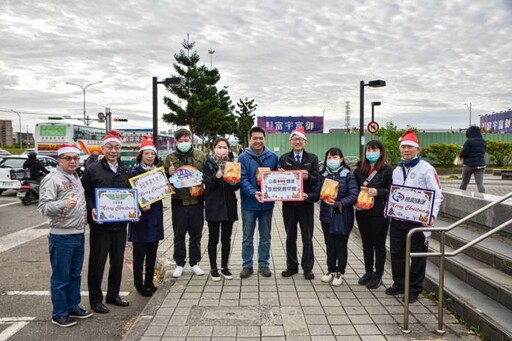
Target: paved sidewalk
277, 308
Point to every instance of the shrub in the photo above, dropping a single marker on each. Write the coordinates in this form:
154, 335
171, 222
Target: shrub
441, 154
500, 152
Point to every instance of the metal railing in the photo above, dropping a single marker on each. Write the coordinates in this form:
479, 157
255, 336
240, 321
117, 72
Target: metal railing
442, 254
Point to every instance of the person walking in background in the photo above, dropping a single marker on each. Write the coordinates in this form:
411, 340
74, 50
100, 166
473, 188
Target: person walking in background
336, 216
187, 210
62, 200
299, 211
253, 207
412, 172
220, 208
149, 230
473, 154
93, 158
374, 175
106, 239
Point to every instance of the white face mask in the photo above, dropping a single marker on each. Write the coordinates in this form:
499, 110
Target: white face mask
333, 164
221, 153
184, 147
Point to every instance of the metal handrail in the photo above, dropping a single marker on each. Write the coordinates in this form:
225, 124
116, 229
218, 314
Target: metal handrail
442, 254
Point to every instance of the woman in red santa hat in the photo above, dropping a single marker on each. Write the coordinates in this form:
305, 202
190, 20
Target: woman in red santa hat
149, 230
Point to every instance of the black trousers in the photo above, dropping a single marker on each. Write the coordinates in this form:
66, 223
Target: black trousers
102, 244
303, 215
144, 252
397, 238
187, 219
225, 229
337, 250
374, 230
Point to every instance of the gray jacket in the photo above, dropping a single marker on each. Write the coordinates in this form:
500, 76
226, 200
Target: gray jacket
55, 189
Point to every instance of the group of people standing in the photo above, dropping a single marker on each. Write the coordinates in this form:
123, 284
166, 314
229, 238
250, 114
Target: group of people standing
70, 203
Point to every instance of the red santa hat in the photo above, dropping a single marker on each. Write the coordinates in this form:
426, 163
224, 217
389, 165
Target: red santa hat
147, 144
67, 148
409, 138
300, 132
112, 136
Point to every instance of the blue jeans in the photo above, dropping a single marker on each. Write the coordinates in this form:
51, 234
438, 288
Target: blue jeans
264, 219
66, 258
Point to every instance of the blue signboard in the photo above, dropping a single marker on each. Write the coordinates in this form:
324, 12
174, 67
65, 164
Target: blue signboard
286, 124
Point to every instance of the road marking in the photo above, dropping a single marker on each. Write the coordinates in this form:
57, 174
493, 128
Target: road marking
21, 237
16, 323
47, 293
11, 203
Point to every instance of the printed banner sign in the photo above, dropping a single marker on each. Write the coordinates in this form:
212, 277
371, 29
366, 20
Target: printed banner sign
187, 176
287, 124
116, 205
282, 186
152, 186
410, 203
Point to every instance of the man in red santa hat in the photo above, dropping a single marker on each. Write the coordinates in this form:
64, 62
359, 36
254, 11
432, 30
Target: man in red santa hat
299, 211
106, 239
411, 172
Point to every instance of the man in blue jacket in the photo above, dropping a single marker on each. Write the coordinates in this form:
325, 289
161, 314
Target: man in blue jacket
253, 207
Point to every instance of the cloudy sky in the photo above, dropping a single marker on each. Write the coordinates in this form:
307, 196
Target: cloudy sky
293, 57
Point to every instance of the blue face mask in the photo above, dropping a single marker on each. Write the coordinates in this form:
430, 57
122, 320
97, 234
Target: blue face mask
333, 164
184, 147
372, 156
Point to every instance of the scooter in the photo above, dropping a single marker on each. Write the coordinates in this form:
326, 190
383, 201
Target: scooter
29, 192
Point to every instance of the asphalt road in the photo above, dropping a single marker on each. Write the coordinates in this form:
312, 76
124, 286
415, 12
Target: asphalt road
25, 305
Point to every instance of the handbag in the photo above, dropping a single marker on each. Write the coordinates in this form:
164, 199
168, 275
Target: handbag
364, 200
458, 160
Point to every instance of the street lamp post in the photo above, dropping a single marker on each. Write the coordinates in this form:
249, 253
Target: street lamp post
372, 84
173, 81
469, 108
374, 104
19, 117
84, 88
211, 52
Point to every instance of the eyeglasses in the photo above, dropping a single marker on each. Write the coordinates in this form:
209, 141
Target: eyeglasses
70, 158
297, 139
109, 147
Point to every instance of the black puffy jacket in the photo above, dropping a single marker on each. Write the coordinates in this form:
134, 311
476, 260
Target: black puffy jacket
474, 148
220, 197
381, 181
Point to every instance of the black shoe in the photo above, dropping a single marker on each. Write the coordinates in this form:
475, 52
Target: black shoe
152, 288
146, 292
394, 290
289, 272
374, 282
80, 314
226, 273
265, 271
118, 301
309, 275
64, 321
246, 272
214, 274
363, 280
99, 308
412, 298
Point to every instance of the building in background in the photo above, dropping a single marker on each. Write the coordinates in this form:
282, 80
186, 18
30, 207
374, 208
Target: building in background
6, 136
27, 139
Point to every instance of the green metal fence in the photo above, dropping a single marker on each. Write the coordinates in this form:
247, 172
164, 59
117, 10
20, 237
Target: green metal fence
349, 143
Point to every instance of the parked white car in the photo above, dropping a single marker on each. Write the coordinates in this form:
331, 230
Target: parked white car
9, 162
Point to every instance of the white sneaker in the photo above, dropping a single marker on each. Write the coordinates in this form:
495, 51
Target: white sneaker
178, 271
337, 280
197, 270
328, 277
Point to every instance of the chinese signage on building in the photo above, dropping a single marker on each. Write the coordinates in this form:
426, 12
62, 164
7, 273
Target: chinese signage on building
497, 122
286, 124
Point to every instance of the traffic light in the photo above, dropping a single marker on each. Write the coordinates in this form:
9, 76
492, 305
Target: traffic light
120, 120
54, 118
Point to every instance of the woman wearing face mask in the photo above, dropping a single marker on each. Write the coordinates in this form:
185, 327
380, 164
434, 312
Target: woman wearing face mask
220, 208
336, 217
146, 233
375, 175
